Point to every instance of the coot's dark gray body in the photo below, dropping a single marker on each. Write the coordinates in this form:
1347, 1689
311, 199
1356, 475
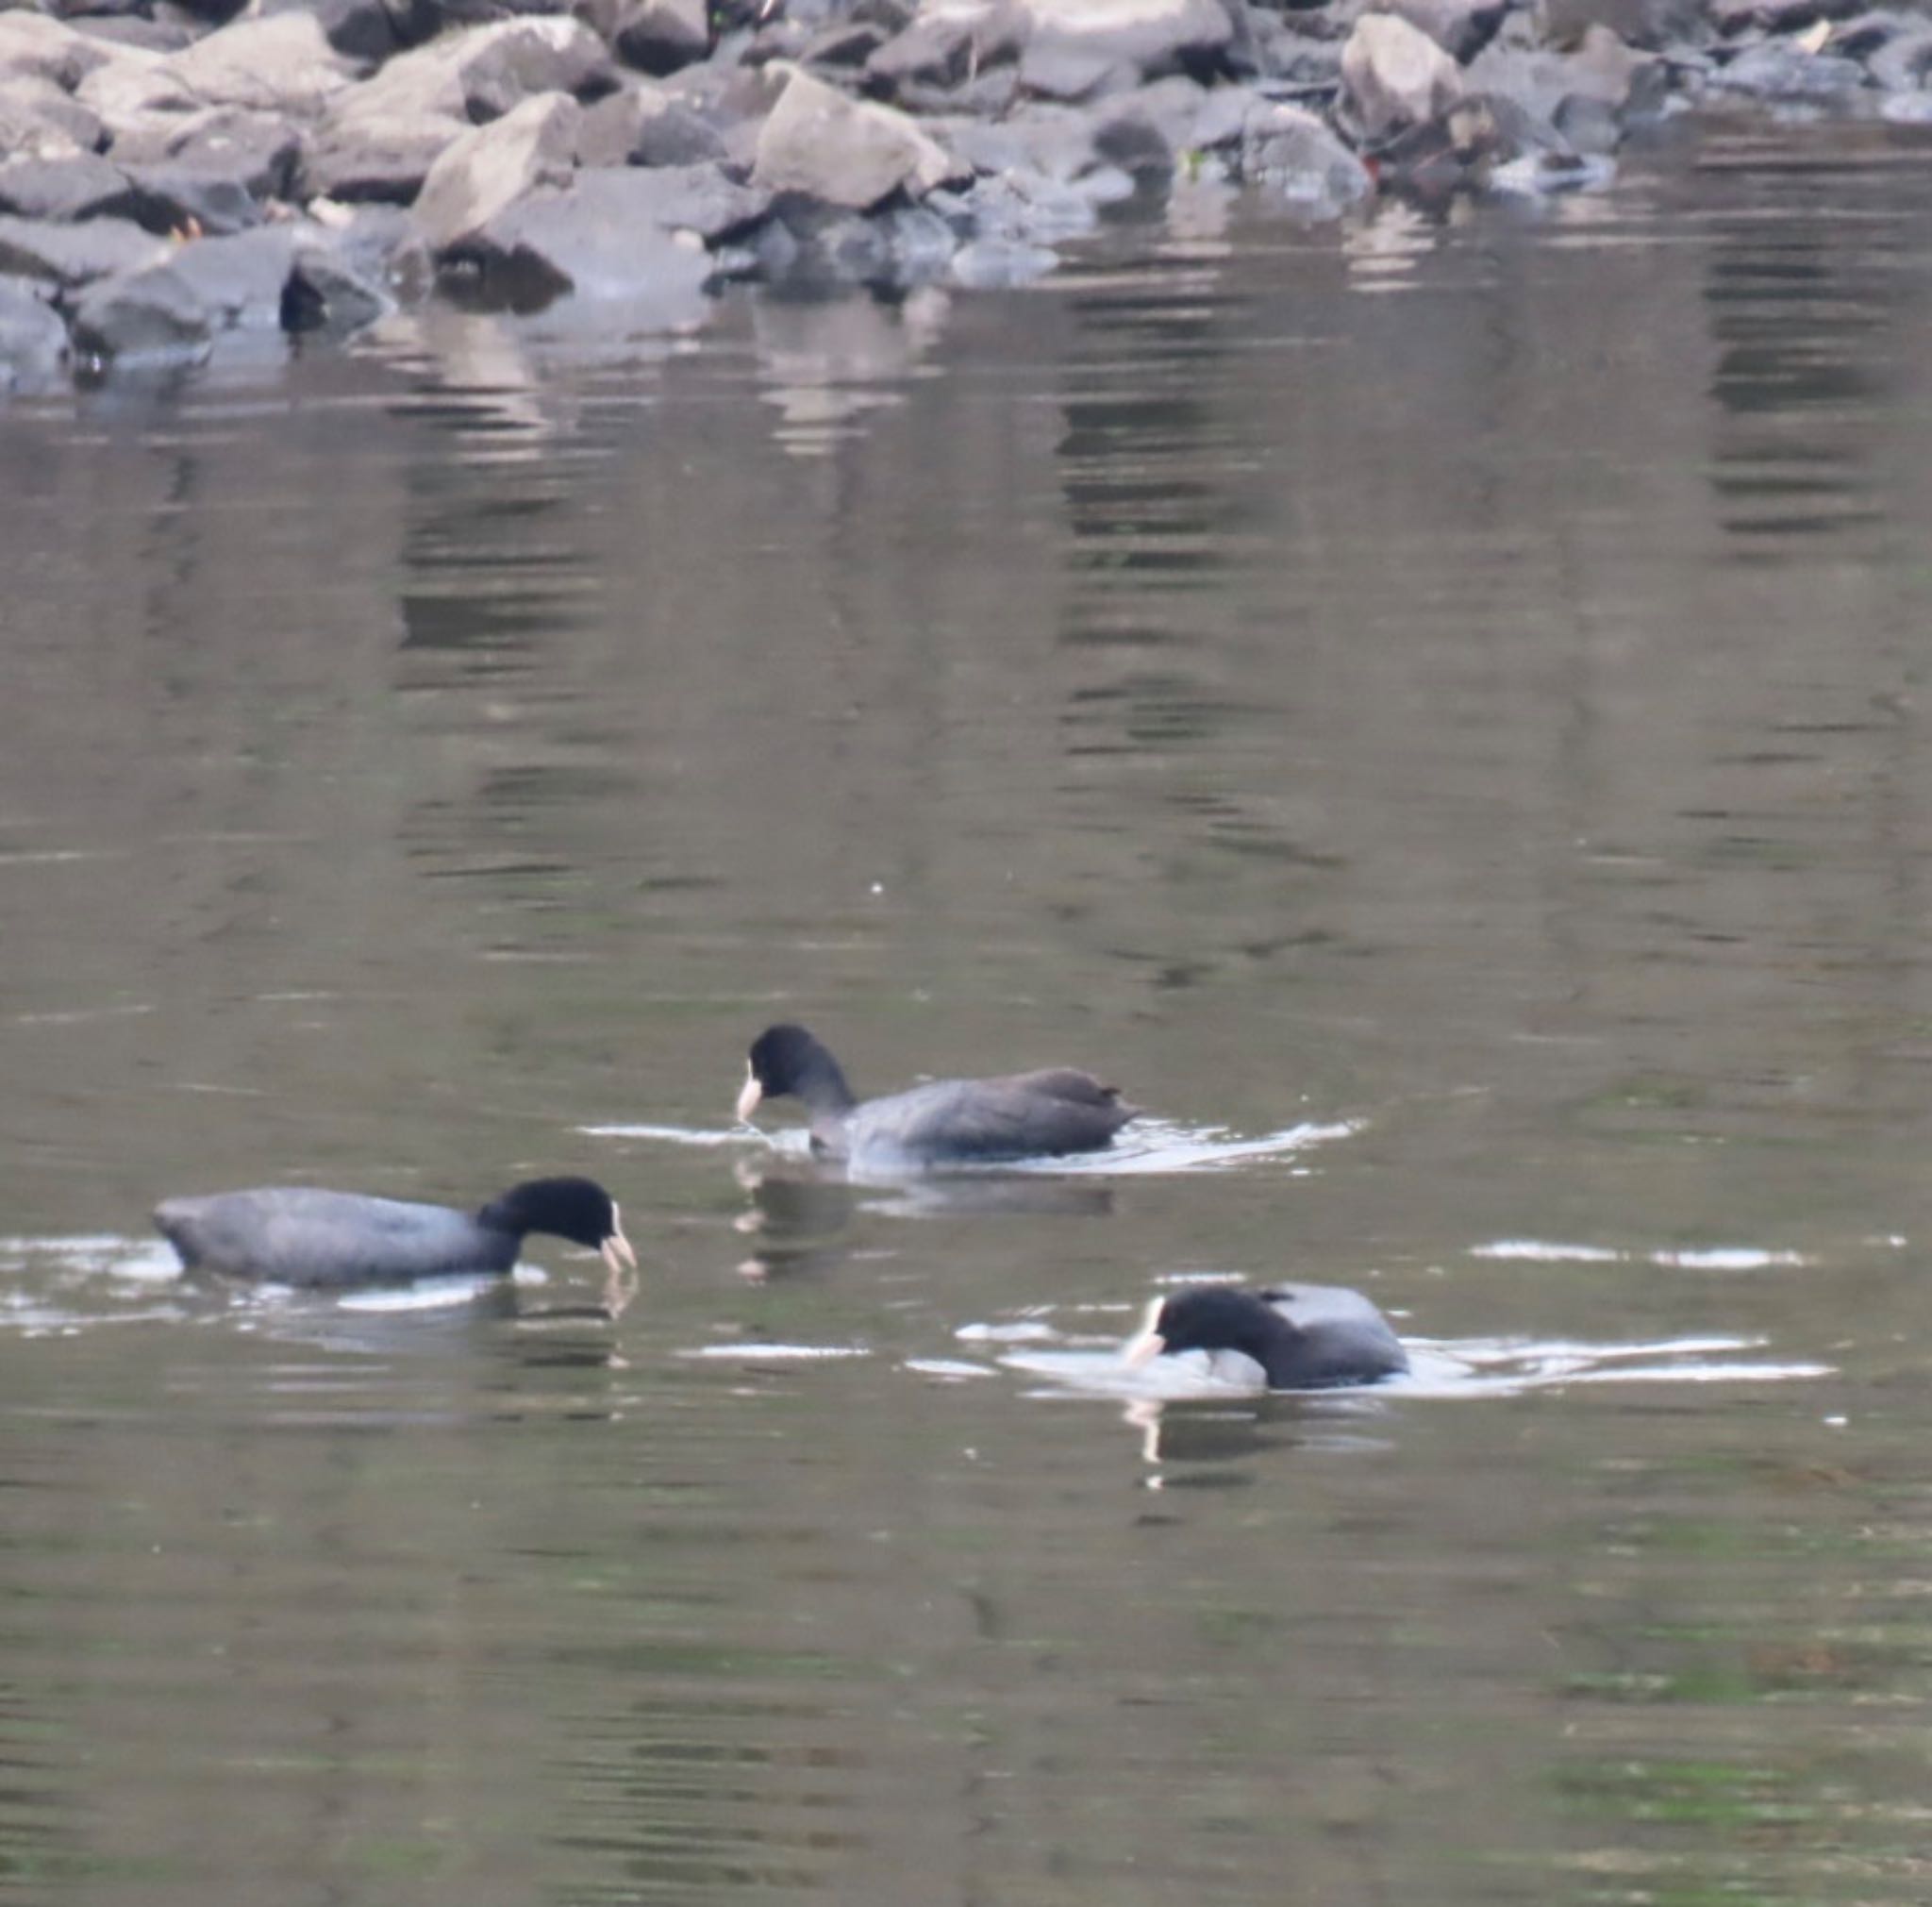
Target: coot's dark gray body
950, 1122
297, 1235
1303, 1336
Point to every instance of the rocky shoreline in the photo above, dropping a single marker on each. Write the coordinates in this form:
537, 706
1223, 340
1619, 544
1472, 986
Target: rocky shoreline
175, 168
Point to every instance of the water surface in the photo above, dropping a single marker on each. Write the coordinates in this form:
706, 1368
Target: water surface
1451, 686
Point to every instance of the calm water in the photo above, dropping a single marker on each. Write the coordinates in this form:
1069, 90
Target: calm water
1457, 688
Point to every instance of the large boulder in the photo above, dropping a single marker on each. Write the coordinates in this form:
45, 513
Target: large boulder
68, 255
1395, 77
258, 151
40, 120
32, 44
479, 74
79, 187
616, 233
489, 167
174, 308
280, 63
845, 152
1076, 49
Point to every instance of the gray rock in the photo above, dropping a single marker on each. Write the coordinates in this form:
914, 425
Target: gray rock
1183, 117
1776, 16
661, 36
480, 75
1294, 153
260, 151
67, 256
944, 46
130, 29
172, 197
1602, 77
643, 125
844, 152
596, 237
33, 338
31, 44
135, 89
1297, 59
1461, 27
371, 161
282, 62
80, 187
170, 310
1146, 39
1777, 70
1022, 207
362, 30
491, 167
329, 291
848, 42
39, 120
1396, 77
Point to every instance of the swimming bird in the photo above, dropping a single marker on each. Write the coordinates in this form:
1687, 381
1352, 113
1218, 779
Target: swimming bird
950, 1122
1298, 1337
294, 1234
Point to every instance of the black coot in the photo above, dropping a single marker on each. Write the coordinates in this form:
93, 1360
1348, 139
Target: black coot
1303, 1336
950, 1122
290, 1234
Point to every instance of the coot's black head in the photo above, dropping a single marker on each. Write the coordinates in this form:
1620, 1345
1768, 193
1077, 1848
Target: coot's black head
1209, 1317
577, 1208
786, 1059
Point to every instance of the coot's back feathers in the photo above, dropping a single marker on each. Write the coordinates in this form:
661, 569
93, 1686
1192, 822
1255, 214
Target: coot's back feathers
299, 1235
1302, 1336
1019, 1116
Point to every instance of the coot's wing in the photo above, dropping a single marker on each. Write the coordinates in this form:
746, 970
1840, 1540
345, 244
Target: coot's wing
1021, 1117
1341, 1331
298, 1235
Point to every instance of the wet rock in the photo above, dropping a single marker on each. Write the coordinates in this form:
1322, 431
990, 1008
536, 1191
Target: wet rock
1461, 27
489, 167
280, 63
33, 338
364, 31
1295, 155
68, 255
379, 242
1076, 49
599, 237
1395, 75
1184, 117
38, 120
643, 125
1019, 207
31, 44
844, 152
1776, 70
260, 151
329, 292
173, 309
80, 187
